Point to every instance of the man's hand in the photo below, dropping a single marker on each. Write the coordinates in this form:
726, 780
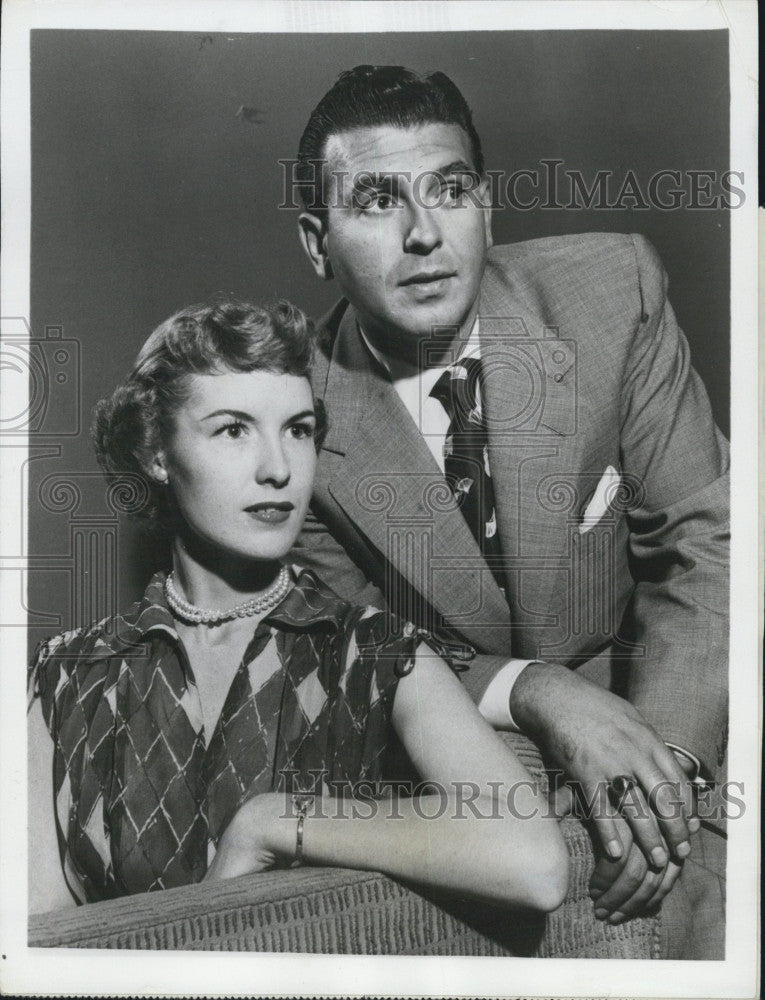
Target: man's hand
595, 736
624, 888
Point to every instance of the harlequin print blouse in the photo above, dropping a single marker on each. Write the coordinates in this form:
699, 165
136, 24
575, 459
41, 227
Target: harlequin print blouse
139, 795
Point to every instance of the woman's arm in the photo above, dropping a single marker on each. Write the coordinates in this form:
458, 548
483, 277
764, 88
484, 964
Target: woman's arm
47, 887
478, 842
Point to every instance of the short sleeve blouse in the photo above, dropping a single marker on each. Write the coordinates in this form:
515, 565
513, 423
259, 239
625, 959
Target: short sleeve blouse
139, 796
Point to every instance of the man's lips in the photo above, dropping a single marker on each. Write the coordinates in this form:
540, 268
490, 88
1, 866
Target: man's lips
271, 513
427, 277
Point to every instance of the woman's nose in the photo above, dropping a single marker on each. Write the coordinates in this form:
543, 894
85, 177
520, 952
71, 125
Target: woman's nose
272, 463
423, 233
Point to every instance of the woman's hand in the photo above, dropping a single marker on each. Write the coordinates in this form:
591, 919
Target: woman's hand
255, 839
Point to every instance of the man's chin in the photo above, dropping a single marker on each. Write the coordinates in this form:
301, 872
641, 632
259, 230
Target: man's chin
439, 324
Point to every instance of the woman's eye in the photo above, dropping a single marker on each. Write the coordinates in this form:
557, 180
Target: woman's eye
233, 430
300, 431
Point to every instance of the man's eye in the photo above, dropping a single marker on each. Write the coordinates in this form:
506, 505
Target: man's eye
380, 201
455, 192
301, 431
384, 201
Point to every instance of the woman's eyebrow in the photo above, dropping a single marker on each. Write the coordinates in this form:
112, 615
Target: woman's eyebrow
239, 414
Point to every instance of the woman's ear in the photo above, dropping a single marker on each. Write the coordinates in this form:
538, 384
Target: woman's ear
157, 469
313, 238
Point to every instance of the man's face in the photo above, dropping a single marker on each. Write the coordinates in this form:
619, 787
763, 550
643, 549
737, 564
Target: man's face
404, 240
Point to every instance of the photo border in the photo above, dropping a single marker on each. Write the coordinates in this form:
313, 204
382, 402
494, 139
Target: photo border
63, 971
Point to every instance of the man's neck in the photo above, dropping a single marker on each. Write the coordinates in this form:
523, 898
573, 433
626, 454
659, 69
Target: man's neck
404, 359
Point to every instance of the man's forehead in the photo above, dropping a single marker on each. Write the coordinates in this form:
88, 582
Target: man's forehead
391, 148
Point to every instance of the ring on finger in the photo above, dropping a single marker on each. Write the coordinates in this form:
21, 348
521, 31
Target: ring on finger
619, 788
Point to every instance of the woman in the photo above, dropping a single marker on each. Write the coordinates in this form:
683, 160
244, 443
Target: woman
174, 731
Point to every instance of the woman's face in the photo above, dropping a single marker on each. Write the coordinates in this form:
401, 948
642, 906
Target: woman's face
241, 461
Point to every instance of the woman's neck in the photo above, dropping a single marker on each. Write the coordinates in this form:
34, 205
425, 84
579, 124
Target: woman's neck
216, 581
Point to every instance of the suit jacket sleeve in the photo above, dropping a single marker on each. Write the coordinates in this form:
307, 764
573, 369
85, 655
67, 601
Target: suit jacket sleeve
679, 532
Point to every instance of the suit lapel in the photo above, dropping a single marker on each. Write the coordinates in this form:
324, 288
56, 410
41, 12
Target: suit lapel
392, 489
530, 402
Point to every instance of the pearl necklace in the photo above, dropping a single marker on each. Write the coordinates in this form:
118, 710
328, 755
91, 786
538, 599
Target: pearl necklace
182, 608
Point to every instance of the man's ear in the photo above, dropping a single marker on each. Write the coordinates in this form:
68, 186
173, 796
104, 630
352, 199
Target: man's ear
484, 194
313, 237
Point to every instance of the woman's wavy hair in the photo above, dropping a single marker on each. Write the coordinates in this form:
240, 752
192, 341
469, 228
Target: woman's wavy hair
225, 335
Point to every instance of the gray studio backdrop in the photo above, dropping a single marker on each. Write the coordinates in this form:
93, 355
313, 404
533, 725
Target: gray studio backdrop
152, 188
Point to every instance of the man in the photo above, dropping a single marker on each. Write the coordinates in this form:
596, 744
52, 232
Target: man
583, 537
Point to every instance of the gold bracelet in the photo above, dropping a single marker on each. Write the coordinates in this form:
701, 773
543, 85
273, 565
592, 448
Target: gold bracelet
301, 802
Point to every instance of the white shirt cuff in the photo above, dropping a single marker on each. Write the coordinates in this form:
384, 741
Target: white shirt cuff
494, 705
694, 777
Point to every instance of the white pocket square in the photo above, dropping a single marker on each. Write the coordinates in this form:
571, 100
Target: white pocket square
601, 499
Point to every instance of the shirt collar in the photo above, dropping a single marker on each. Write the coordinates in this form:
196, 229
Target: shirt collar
308, 602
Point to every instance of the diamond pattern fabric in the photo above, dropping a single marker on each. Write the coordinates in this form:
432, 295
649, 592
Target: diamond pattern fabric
138, 794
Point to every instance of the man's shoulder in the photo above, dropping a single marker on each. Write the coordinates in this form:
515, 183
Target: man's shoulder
619, 272
576, 251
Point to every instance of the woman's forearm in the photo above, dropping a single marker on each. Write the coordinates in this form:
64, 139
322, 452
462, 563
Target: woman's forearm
480, 848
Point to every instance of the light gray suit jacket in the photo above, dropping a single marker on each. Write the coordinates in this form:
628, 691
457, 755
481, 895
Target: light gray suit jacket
585, 368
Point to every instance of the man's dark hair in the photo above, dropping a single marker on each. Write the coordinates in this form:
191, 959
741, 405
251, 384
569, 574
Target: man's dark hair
378, 95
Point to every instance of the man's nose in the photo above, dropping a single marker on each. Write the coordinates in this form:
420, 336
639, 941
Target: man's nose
272, 465
423, 232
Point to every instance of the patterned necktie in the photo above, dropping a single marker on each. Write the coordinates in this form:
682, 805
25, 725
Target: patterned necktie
466, 456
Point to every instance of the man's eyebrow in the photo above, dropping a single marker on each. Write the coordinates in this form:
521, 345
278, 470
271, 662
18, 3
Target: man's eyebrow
300, 416
456, 167
368, 180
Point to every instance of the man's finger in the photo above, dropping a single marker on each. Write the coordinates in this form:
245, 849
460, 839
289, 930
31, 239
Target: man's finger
654, 888
643, 824
561, 800
605, 819
671, 876
673, 770
629, 881
670, 803
605, 874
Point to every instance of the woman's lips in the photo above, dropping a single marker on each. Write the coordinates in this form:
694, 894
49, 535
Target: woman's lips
275, 513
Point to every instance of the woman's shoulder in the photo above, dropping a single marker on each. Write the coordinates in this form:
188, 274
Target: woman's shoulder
312, 602
90, 648
368, 628
78, 651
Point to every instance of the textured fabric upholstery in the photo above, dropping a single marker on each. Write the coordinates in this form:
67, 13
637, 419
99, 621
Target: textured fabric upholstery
331, 910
